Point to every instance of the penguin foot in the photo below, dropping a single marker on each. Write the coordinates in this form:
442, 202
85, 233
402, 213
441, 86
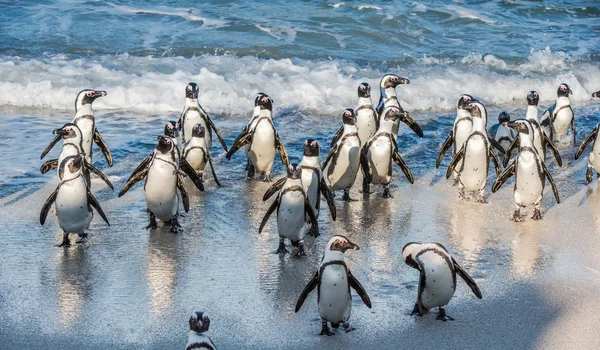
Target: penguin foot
300, 251
589, 175
152, 224
82, 238
481, 200
267, 178
250, 173
537, 215
175, 227
417, 311
442, 315
386, 193
324, 329
281, 249
517, 216
346, 197
65, 242
347, 327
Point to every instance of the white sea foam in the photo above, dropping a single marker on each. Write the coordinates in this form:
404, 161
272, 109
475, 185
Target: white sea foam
467, 13
187, 14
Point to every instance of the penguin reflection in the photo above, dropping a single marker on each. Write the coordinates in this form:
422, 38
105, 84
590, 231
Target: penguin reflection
73, 287
161, 264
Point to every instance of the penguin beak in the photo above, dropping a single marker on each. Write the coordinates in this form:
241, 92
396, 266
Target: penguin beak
351, 246
517, 126
99, 93
60, 132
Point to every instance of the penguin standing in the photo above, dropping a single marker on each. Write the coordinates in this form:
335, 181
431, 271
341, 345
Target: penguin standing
342, 163
73, 199
198, 339
557, 119
84, 119
333, 281
197, 154
530, 173
292, 207
263, 142
503, 134
594, 157
437, 279
193, 114
251, 124
163, 173
379, 152
476, 154
388, 97
367, 118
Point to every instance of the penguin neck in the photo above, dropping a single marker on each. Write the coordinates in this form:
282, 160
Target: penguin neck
266, 113
364, 101
478, 124
563, 101
311, 161
349, 129
293, 182
532, 113
197, 334
386, 126
526, 140
85, 109
332, 255
191, 102
462, 113
71, 176
256, 111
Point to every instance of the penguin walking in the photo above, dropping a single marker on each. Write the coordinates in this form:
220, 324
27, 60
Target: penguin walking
333, 281
85, 120
367, 118
163, 172
292, 207
530, 173
557, 119
342, 163
73, 199
476, 154
197, 154
72, 145
437, 277
541, 141
263, 142
251, 124
198, 339
594, 157
503, 134
193, 114
380, 150
388, 97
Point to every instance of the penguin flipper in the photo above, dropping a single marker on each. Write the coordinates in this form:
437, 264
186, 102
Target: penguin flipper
496, 162
98, 173
554, 150
551, 180
212, 126
329, 156
364, 164
313, 218
275, 187
49, 165
508, 152
495, 144
312, 284
326, 192
47, 205
270, 211
467, 278
103, 147
212, 170
242, 140
445, 147
402, 164
502, 178
586, 142
457, 157
189, 171
360, 290
282, 153
412, 124
184, 195
50, 145
94, 203
138, 174
337, 136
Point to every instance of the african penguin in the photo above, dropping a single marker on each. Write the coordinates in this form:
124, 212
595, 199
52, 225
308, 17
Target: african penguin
198, 339
197, 154
252, 123
437, 277
367, 118
388, 97
73, 200
596, 94
594, 157
84, 119
503, 134
333, 281
557, 119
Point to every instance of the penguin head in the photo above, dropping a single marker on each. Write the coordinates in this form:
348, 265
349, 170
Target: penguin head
393, 113
392, 80
68, 131
198, 131
294, 171
265, 102
165, 144
464, 100
408, 253
533, 98
172, 129
311, 148
504, 117
191, 91
521, 125
258, 96
348, 117
596, 94
339, 243
70, 166
364, 90
475, 108
564, 90
87, 96
199, 322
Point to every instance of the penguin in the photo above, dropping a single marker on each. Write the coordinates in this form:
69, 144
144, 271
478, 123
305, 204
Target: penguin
342, 163
502, 134
529, 170
367, 118
84, 118
476, 154
292, 207
172, 131
437, 277
163, 173
380, 150
72, 145
461, 130
388, 97
596, 94
313, 181
196, 153
252, 123
333, 281
193, 113
540, 139
73, 199
594, 157
198, 339
263, 142
557, 118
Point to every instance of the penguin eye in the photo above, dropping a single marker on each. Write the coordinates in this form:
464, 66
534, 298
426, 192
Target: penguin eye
89, 93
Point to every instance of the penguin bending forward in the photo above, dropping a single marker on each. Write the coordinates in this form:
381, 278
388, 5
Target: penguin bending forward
530, 173
437, 277
292, 207
163, 172
388, 98
74, 201
367, 118
84, 118
197, 154
198, 339
333, 281
557, 119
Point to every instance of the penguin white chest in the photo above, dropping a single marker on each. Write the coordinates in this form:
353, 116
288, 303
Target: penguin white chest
192, 118
72, 206
335, 302
380, 158
562, 121
290, 216
67, 150
537, 142
310, 183
343, 169
475, 163
439, 281
87, 133
529, 185
365, 122
262, 149
161, 190
195, 155
595, 154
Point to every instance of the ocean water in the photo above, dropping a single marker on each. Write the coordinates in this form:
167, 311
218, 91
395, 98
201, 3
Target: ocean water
129, 287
